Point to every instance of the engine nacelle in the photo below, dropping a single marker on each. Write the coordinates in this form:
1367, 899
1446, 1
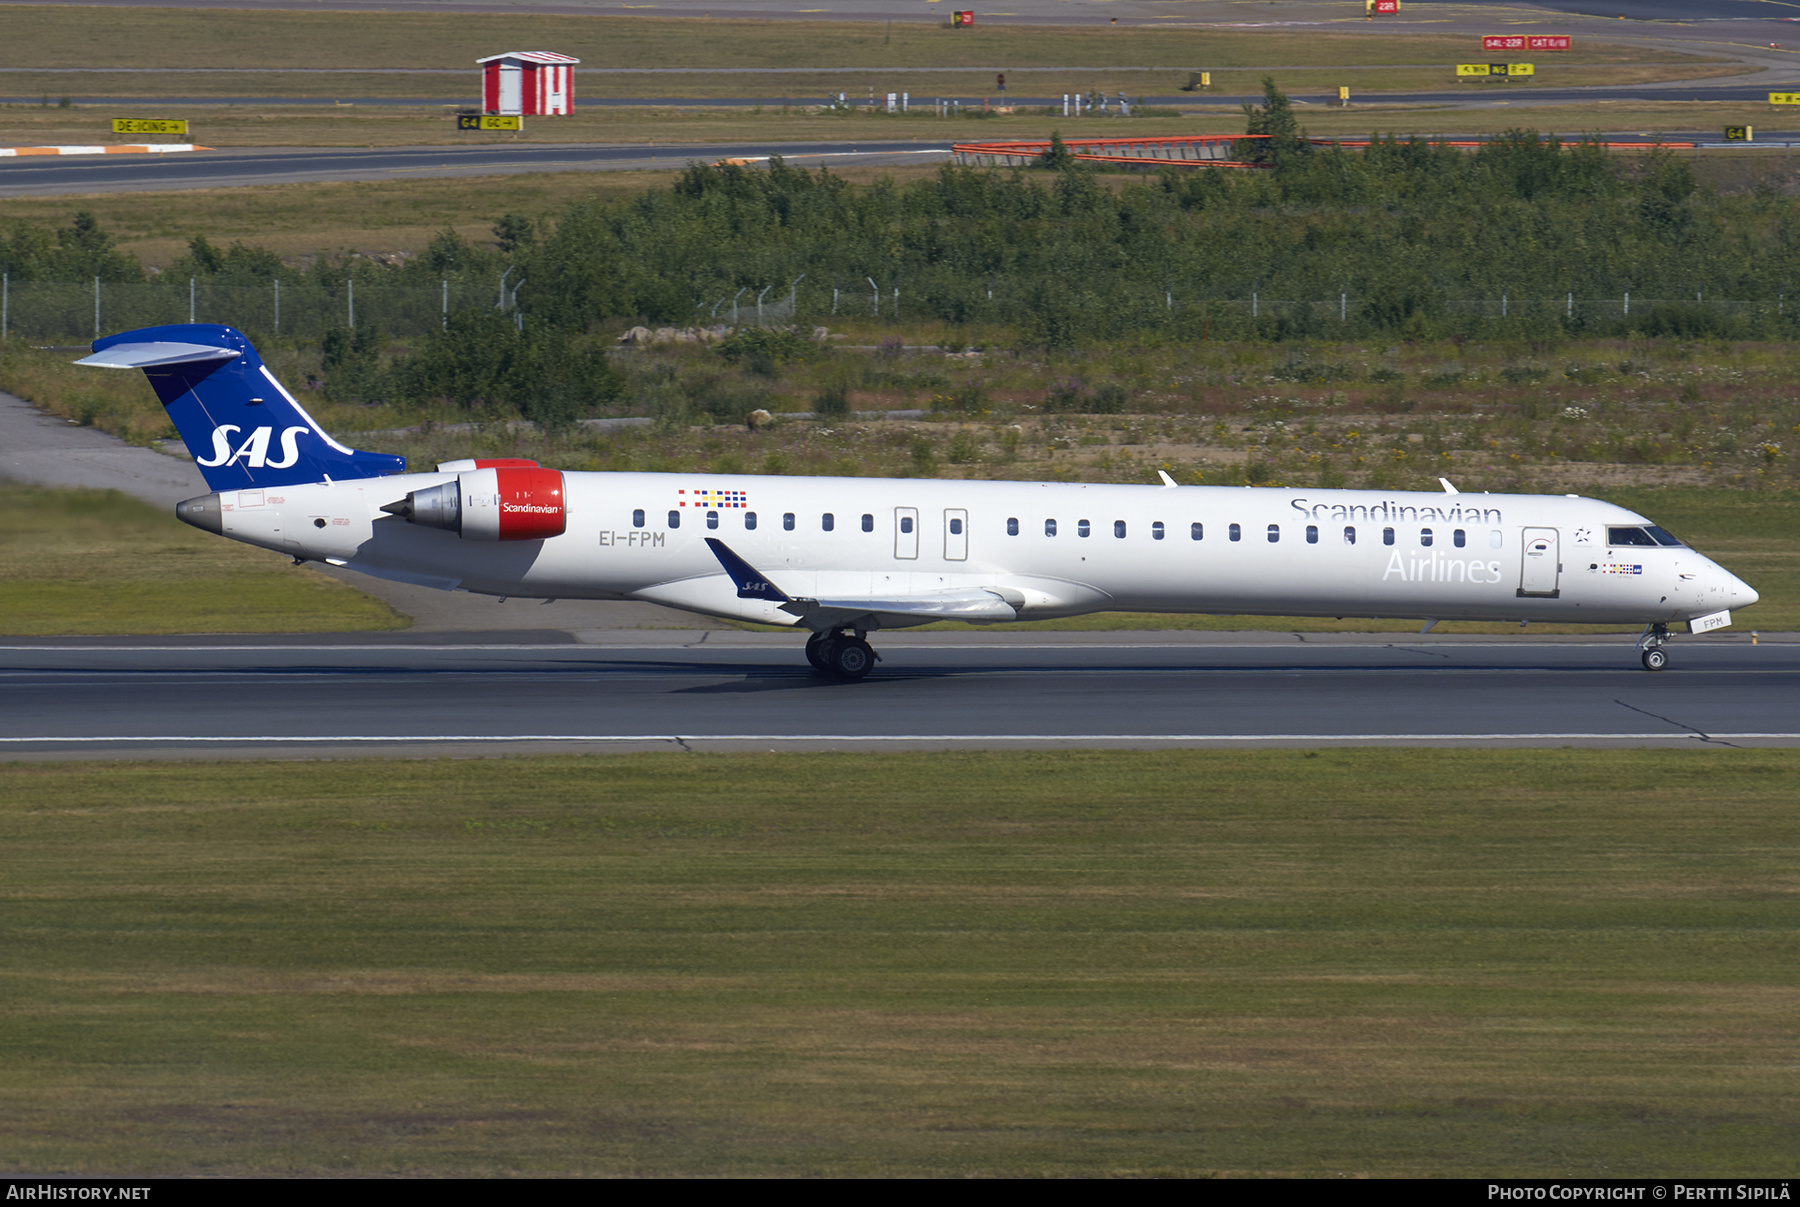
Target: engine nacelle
508, 503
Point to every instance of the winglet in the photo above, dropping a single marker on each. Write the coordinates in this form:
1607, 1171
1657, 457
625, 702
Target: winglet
1448, 489
750, 583
1167, 481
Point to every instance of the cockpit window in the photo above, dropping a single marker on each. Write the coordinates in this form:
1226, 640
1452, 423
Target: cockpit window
1637, 536
1662, 537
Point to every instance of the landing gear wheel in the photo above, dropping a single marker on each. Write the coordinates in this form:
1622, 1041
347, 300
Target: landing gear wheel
818, 651
850, 658
1655, 658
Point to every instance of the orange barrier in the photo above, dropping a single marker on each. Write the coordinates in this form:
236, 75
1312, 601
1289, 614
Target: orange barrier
99, 149
1180, 150
1190, 150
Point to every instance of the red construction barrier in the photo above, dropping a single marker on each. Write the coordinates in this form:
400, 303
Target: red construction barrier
1181, 150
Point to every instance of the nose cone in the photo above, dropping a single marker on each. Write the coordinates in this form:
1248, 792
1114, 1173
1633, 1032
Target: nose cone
203, 512
1740, 593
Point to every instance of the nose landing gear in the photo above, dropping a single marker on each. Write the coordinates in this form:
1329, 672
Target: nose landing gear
1652, 654
841, 655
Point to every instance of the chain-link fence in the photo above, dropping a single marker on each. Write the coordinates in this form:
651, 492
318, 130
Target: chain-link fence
1068, 311
754, 308
302, 308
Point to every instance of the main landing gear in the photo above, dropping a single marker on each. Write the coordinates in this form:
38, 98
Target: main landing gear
841, 655
1654, 657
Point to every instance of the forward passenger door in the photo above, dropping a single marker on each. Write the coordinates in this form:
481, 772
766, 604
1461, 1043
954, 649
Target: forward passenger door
1541, 565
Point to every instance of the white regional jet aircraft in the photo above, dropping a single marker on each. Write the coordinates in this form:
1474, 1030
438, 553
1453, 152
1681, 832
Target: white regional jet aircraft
843, 557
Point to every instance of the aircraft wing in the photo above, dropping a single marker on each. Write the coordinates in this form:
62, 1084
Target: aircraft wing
979, 604
961, 604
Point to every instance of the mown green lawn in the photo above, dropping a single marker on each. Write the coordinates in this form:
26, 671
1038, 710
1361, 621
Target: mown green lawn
78, 562
1342, 963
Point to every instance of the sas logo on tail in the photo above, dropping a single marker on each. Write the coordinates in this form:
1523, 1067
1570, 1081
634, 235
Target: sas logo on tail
254, 451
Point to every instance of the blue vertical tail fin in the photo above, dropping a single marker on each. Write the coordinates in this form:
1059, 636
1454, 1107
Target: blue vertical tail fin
240, 424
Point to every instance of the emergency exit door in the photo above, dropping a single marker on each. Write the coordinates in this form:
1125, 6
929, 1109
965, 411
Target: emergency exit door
1540, 566
956, 535
906, 533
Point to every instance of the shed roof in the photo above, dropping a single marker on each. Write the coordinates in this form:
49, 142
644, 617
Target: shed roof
530, 56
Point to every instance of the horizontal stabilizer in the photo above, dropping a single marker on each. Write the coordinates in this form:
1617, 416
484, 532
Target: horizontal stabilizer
153, 355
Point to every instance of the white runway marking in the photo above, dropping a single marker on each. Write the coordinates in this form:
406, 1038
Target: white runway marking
1619, 643
920, 737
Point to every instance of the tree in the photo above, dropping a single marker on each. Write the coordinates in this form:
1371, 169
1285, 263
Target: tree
1275, 119
514, 231
1057, 157
83, 250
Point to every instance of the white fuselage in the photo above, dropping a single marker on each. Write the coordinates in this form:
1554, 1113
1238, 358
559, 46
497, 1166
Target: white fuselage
1047, 549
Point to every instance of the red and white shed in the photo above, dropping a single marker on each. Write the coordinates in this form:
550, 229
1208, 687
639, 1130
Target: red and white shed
528, 83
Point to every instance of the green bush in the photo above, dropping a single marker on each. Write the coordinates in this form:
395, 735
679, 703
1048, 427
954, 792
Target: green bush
763, 350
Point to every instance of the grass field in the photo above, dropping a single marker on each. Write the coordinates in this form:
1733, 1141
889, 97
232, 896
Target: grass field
1349, 963
161, 39
302, 220
77, 562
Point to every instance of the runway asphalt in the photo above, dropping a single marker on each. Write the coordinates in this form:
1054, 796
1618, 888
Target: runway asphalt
496, 694
50, 176
56, 176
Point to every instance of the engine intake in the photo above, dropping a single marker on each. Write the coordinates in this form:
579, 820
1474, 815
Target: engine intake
509, 503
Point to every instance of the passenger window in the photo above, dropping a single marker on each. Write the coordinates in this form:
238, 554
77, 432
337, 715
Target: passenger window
787, 520
1049, 527
637, 518
1012, 525
712, 519
1312, 534
955, 527
905, 523
1081, 528
868, 523
1196, 532
828, 521
1156, 531
1235, 533
1425, 537
674, 519
1387, 536
1349, 536
1274, 533
1119, 528
750, 521
1459, 538
1494, 539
